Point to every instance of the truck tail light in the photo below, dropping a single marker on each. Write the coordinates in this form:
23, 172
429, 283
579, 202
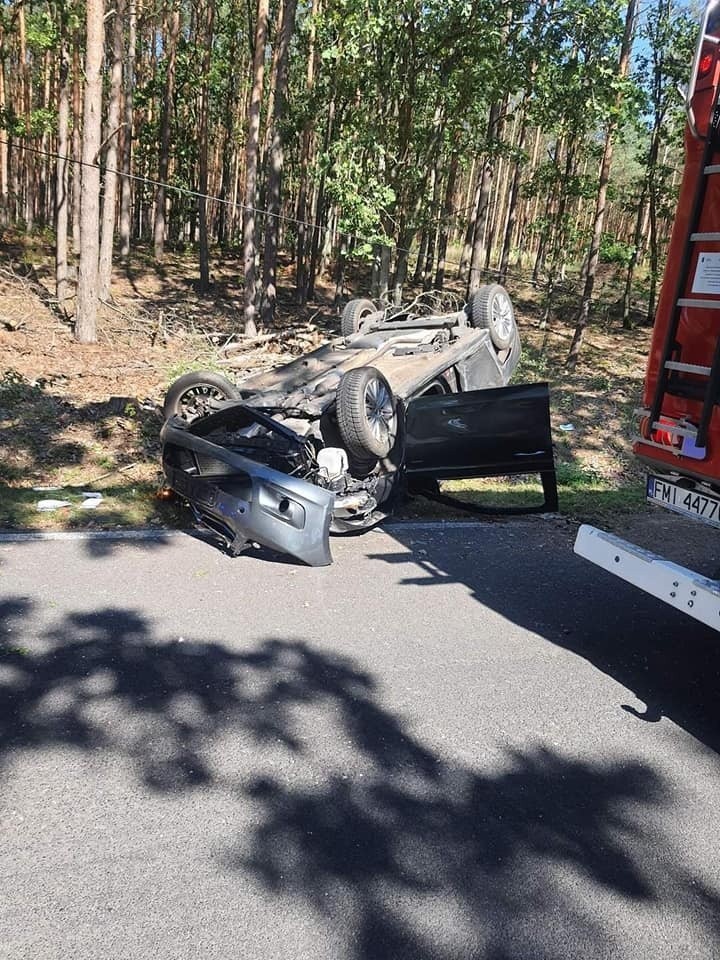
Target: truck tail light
667, 438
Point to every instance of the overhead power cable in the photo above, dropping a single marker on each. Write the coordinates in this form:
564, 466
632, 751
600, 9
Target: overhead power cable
311, 226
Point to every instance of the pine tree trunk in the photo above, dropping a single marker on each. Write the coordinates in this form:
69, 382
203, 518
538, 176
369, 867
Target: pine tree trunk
654, 259
583, 317
306, 151
274, 175
494, 213
340, 271
512, 205
44, 191
111, 156
502, 204
126, 190
87, 296
165, 117
318, 209
432, 230
235, 214
470, 202
486, 179
76, 142
466, 258
4, 154
204, 285
582, 225
401, 264
381, 272
422, 253
61, 182
448, 209
329, 240
270, 106
26, 106
548, 235
558, 247
632, 265
531, 205
652, 219
228, 155
251, 166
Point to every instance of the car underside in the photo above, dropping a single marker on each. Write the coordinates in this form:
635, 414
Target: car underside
319, 445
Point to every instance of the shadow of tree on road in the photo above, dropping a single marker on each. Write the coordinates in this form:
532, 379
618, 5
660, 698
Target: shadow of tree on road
400, 850
670, 662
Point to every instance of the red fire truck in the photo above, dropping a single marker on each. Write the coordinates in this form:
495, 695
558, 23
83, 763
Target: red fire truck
679, 431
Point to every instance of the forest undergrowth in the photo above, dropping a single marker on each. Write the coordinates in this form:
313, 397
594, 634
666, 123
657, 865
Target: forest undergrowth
87, 417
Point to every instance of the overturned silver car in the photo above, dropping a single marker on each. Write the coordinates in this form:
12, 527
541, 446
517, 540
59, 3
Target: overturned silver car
326, 443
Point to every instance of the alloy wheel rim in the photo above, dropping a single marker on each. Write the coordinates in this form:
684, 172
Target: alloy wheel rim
198, 401
379, 410
502, 316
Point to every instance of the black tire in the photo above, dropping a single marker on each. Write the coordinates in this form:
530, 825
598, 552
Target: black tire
355, 312
366, 413
491, 309
194, 395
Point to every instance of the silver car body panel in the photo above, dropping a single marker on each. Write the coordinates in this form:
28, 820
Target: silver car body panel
408, 357
251, 501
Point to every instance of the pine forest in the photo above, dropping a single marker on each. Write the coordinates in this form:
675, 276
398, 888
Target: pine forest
417, 143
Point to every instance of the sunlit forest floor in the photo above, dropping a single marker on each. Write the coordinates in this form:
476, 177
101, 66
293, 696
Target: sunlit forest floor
79, 418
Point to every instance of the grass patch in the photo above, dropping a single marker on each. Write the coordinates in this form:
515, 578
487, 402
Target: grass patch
207, 361
583, 495
534, 364
123, 505
47, 440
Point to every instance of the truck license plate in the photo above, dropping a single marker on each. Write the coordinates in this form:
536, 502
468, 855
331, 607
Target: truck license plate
682, 500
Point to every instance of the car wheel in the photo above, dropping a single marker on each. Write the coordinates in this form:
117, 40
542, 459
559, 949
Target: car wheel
366, 413
195, 395
354, 315
491, 309
438, 387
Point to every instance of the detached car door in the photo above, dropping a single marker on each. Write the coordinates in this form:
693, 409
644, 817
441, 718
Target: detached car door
482, 433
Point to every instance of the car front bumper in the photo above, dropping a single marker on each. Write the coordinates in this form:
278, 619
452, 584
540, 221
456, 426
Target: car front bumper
245, 501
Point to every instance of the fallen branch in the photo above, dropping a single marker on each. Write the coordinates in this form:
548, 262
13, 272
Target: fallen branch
248, 343
111, 473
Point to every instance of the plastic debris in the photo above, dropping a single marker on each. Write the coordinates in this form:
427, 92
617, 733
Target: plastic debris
90, 501
46, 506
566, 427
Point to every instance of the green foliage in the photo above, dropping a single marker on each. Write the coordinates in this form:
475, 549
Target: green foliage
361, 200
42, 120
613, 250
399, 88
42, 30
576, 44
10, 121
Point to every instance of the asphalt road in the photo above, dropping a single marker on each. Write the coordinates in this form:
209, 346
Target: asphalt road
453, 743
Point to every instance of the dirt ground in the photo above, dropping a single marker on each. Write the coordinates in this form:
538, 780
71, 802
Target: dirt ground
156, 327
77, 416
